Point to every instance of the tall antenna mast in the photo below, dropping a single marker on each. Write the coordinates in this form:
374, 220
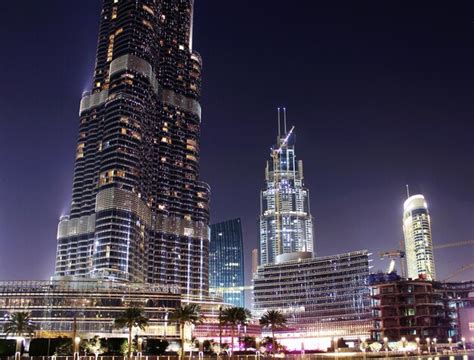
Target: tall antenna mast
408, 191
279, 121
284, 119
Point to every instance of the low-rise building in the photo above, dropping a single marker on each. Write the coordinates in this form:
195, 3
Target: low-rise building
407, 308
418, 308
321, 297
93, 305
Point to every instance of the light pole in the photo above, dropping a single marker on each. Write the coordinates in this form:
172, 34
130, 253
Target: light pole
463, 343
450, 341
385, 342
418, 344
404, 339
435, 344
77, 342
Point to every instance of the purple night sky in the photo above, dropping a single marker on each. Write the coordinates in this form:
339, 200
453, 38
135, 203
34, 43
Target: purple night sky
381, 94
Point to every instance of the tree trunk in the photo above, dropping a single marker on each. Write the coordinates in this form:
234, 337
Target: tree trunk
220, 329
130, 342
232, 340
273, 342
181, 333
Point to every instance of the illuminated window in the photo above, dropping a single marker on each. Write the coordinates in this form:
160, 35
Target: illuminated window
147, 24
110, 49
148, 10
80, 150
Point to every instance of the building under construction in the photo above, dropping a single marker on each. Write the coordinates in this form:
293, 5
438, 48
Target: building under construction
286, 224
417, 308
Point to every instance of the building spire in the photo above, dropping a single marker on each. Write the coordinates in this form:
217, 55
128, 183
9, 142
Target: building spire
279, 126
408, 191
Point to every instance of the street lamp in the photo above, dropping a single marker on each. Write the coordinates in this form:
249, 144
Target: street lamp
450, 340
418, 344
428, 343
385, 342
435, 342
77, 342
463, 343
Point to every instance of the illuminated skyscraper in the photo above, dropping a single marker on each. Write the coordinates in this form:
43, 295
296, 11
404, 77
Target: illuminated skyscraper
139, 212
418, 241
286, 224
226, 261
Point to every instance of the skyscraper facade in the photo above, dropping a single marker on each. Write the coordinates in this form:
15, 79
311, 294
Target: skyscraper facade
418, 241
139, 212
226, 261
286, 224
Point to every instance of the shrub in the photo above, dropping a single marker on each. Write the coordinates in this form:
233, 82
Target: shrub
156, 346
7, 347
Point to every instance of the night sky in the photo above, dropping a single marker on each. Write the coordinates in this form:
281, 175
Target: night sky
380, 92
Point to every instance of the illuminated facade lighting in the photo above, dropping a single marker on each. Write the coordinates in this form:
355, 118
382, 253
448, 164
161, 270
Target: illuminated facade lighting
286, 224
226, 261
418, 240
321, 297
139, 212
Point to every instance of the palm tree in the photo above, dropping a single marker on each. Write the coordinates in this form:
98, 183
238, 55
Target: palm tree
235, 316
273, 319
189, 314
19, 324
130, 318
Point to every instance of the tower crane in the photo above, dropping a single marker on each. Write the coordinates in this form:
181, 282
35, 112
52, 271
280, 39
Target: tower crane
459, 271
448, 245
394, 254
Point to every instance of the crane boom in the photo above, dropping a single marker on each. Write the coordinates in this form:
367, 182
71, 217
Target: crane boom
448, 245
459, 271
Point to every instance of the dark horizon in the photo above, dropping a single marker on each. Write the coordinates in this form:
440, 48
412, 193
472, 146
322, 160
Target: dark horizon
380, 94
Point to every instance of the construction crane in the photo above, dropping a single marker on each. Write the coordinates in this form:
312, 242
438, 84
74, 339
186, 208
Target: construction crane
400, 254
392, 255
459, 271
448, 245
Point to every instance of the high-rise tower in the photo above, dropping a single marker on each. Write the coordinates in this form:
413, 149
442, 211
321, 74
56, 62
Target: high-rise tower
286, 224
418, 241
226, 261
139, 212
